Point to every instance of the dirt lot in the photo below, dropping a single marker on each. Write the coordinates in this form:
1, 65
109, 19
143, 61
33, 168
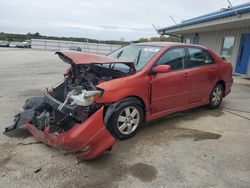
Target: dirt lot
198, 148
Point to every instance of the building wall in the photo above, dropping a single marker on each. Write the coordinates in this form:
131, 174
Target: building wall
214, 40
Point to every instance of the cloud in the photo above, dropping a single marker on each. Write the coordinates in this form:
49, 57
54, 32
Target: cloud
109, 19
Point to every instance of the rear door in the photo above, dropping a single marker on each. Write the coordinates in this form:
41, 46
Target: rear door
203, 71
170, 90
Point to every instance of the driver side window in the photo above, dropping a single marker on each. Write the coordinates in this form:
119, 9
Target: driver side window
174, 57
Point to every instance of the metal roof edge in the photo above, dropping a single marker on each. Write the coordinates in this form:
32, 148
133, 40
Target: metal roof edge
243, 8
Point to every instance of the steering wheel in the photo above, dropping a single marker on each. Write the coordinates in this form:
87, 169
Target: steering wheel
112, 65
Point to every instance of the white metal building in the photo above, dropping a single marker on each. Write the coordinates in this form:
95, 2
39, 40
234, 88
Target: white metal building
227, 32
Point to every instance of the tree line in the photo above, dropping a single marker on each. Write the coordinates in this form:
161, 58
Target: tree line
161, 38
28, 36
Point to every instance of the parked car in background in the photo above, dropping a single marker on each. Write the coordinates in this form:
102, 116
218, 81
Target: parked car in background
27, 44
20, 45
13, 44
105, 98
24, 44
75, 48
4, 43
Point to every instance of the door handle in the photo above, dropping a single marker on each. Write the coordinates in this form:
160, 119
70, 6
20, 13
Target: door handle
211, 70
186, 75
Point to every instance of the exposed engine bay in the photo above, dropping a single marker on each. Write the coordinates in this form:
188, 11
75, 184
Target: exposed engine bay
71, 102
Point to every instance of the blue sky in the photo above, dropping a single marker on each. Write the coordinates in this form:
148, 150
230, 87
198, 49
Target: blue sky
100, 19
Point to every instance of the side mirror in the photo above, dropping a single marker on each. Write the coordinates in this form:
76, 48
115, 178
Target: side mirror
162, 69
223, 58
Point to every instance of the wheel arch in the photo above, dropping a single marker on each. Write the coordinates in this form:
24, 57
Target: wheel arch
222, 82
111, 108
114, 105
143, 105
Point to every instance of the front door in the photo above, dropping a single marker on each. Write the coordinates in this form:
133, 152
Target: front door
170, 90
243, 55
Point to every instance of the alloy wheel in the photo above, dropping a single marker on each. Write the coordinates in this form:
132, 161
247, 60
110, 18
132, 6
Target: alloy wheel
217, 95
128, 120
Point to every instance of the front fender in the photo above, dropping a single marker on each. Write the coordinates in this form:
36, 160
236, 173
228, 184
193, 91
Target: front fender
119, 89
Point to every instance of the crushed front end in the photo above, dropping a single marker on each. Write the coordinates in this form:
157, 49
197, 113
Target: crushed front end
67, 116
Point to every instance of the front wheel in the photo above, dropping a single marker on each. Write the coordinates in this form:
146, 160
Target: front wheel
126, 121
216, 96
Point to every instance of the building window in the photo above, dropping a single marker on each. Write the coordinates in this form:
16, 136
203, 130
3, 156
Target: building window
227, 47
187, 40
196, 39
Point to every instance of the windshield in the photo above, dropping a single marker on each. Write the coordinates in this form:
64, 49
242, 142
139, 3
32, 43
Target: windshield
140, 55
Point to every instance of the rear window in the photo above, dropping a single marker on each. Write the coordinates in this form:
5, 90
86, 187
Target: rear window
199, 57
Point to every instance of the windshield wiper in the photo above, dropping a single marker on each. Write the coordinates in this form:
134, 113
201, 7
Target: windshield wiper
119, 54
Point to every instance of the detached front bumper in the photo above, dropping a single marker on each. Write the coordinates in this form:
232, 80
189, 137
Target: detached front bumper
86, 140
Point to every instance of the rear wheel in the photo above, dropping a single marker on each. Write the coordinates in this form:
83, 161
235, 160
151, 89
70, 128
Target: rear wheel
216, 96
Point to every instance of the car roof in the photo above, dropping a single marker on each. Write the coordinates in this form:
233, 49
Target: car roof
166, 44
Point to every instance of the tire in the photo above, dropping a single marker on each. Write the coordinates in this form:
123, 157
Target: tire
126, 120
216, 96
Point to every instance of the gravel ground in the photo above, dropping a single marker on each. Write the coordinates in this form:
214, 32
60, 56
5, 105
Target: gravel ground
197, 148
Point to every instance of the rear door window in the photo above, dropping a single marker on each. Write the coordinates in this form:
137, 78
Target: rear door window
199, 57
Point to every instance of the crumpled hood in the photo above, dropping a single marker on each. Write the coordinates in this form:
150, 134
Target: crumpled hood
74, 57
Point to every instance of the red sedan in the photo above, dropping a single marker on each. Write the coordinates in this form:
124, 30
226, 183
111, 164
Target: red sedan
105, 98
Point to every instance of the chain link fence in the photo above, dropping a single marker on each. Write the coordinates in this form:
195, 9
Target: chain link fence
55, 45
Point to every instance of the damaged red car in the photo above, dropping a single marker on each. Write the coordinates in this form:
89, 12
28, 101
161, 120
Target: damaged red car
105, 98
